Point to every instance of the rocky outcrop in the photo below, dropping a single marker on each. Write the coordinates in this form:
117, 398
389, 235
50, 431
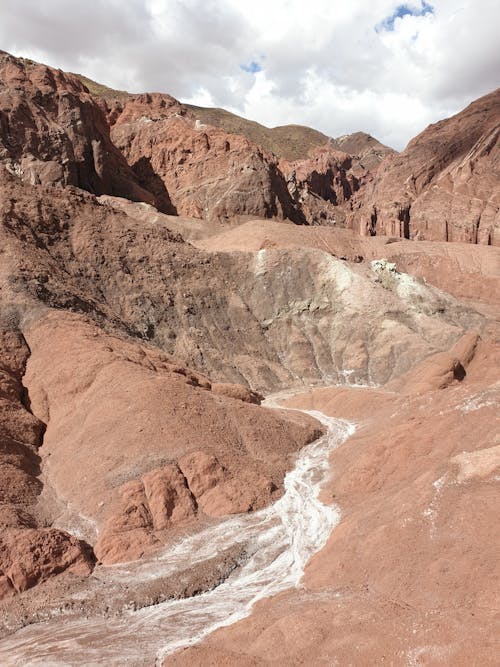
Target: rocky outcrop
203, 171
153, 447
324, 183
52, 131
443, 186
266, 319
20, 432
176, 458
156, 502
367, 151
29, 554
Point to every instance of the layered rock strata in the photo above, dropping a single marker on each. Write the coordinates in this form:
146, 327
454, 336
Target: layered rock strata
444, 186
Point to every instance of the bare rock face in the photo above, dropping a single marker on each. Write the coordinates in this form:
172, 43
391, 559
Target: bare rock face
165, 450
203, 471
444, 186
160, 499
324, 183
168, 496
266, 319
52, 131
232, 497
369, 152
28, 554
20, 432
199, 170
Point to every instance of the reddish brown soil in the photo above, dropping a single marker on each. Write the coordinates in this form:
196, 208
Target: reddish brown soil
411, 575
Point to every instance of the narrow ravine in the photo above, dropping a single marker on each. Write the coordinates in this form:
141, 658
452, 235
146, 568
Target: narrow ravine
279, 541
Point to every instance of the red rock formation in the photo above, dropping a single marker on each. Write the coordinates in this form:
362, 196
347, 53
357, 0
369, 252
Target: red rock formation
444, 186
366, 149
411, 574
20, 432
52, 131
324, 183
28, 554
205, 172
149, 428
138, 445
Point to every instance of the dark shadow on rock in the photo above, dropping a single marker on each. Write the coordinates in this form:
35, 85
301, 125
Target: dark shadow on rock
291, 209
149, 180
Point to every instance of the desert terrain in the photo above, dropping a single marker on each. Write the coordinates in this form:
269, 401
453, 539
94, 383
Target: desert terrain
249, 385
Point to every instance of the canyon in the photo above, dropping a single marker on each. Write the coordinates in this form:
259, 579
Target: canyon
164, 268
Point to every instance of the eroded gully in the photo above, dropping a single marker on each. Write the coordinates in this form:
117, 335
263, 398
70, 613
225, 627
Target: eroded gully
279, 540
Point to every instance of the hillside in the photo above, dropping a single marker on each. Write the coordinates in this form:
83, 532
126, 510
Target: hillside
445, 186
290, 142
242, 420
100, 90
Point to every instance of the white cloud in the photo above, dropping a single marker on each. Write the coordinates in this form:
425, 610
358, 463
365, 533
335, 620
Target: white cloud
324, 64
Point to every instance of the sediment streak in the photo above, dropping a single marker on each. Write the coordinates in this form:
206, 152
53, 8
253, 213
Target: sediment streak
279, 540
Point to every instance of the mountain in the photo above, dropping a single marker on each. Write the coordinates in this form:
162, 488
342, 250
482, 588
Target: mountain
161, 275
273, 158
444, 186
291, 142
210, 164
54, 132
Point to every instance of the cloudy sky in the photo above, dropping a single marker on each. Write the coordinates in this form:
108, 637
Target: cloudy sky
375, 65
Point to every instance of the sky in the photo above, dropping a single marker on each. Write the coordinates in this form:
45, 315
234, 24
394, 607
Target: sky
381, 66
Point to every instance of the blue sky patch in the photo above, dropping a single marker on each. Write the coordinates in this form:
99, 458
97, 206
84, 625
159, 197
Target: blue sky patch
402, 11
251, 68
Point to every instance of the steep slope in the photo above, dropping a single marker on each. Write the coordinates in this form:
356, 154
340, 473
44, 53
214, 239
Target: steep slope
321, 173
206, 172
363, 145
52, 131
84, 386
100, 90
30, 551
155, 445
471, 273
269, 319
290, 142
444, 186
